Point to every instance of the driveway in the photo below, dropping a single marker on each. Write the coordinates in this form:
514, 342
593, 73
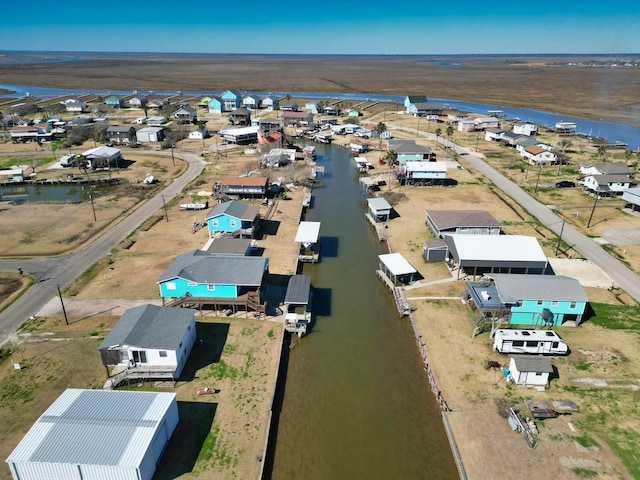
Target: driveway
622, 236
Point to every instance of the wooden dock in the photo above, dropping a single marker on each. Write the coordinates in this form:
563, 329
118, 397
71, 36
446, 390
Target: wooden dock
381, 228
402, 304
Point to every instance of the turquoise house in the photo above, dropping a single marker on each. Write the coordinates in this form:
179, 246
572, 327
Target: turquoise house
216, 105
114, 101
410, 100
537, 300
215, 276
233, 217
231, 100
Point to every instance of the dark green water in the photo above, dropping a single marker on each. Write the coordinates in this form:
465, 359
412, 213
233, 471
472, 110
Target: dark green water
356, 403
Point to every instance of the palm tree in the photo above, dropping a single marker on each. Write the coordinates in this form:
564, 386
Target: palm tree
449, 134
627, 155
564, 144
380, 128
438, 132
602, 151
391, 157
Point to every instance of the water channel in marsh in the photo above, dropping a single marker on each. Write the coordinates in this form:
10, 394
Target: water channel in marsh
356, 402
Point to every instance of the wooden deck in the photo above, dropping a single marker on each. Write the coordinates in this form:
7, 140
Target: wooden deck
402, 304
228, 306
122, 374
381, 228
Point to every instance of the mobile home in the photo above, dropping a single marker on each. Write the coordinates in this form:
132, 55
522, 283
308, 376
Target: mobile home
546, 342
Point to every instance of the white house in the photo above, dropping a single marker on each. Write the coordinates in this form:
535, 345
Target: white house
199, 133
150, 134
606, 184
424, 173
74, 105
97, 434
632, 195
101, 157
525, 128
150, 337
530, 370
535, 155
605, 168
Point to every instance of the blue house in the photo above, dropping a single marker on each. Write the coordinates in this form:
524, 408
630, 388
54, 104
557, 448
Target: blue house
217, 278
541, 301
114, 101
231, 100
233, 217
216, 105
409, 151
410, 100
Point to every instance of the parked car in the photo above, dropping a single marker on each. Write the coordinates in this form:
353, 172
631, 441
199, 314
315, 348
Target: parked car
565, 184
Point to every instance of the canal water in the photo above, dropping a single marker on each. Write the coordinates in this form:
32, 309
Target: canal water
356, 402
49, 193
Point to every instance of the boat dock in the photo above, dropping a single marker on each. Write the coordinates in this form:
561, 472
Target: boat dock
402, 304
381, 228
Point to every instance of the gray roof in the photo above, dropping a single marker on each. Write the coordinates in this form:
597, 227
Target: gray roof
512, 136
614, 178
378, 203
217, 269
234, 208
150, 326
241, 111
412, 148
512, 288
417, 98
119, 128
95, 427
527, 141
446, 219
533, 363
231, 246
298, 290
608, 168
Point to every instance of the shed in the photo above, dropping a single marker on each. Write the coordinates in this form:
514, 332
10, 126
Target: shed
150, 134
396, 267
435, 250
101, 157
97, 434
530, 370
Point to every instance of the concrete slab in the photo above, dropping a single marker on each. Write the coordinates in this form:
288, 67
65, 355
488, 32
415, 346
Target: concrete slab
622, 236
586, 272
85, 308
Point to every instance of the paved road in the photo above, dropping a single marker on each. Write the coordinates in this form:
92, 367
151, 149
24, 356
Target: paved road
50, 272
617, 271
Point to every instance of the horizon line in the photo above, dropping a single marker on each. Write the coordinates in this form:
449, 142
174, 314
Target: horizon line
545, 54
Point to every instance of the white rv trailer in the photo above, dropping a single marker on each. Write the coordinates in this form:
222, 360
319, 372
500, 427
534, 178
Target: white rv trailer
546, 342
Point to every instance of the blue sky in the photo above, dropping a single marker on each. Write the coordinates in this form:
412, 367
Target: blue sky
324, 27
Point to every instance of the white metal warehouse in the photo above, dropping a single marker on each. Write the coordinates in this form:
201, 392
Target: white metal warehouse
97, 435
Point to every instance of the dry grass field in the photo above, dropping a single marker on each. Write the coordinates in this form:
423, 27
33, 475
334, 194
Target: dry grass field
541, 83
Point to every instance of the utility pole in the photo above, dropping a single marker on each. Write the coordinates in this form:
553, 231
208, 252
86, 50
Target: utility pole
64, 311
164, 205
593, 209
560, 237
538, 178
173, 160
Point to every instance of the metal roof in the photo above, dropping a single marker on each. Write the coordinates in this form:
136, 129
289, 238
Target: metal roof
396, 264
298, 290
95, 427
512, 288
425, 166
217, 269
377, 204
229, 246
308, 232
496, 248
150, 326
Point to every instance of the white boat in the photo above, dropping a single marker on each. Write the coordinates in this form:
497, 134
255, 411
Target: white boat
309, 150
193, 206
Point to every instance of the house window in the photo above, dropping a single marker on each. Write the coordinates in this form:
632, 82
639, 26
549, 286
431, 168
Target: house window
539, 302
140, 356
554, 303
214, 222
232, 223
192, 284
170, 286
162, 354
572, 305
211, 288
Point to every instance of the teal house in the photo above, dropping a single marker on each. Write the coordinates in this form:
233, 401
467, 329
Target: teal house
200, 274
410, 100
231, 100
234, 218
114, 101
537, 300
215, 105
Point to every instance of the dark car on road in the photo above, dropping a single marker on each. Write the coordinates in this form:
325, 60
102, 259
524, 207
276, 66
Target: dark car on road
565, 184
